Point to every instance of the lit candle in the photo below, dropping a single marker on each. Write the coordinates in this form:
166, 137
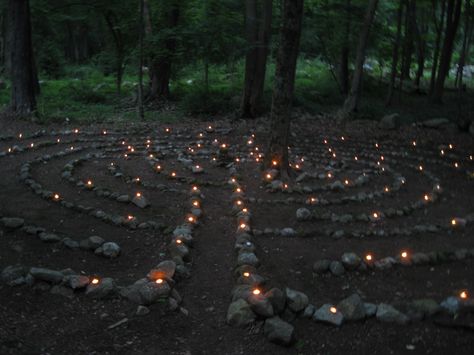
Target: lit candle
333, 309
368, 257
404, 254
246, 274
95, 281
463, 295
159, 281
56, 197
256, 292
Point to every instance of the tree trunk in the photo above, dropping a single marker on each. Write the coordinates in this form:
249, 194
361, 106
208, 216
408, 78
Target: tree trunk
439, 31
112, 23
141, 114
287, 56
352, 101
420, 32
23, 73
343, 72
396, 47
452, 23
258, 31
465, 45
161, 67
408, 44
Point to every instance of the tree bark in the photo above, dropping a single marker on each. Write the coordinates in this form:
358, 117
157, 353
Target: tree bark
408, 44
439, 31
352, 100
161, 66
465, 45
140, 112
112, 23
343, 72
23, 72
283, 89
452, 24
420, 32
396, 47
258, 32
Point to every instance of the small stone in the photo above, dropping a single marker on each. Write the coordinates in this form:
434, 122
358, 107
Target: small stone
328, 314
123, 198
140, 201
92, 242
352, 308
12, 222
427, 306
278, 331
336, 268
321, 266
49, 237
142, 310
166, 269
350, 260
309, 311
260, 305
106, 288
240, 314
278, 299
70, 243
47, 275
303, 214
287, 232
152, 291
247, 259
370, 309
387, 313
12, 273
451, 305
296, 300
110, 250
77, 281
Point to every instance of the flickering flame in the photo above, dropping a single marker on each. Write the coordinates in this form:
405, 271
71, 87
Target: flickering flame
404, 254
242, 226
179, 241
95, 281
158, 167
456, 165
426, 197
386, 189
167, 130
414, 143
159, 281
139, 194
346, 182
173, 174
196, 203
274, 163
56, 196
191, 219
333, 310
453, 222
76, 131
355, 158
376, 215
420, 168
451, 146
463, 295
256, 292
268, 176
89, 183
246, 274
368, 257
130, 217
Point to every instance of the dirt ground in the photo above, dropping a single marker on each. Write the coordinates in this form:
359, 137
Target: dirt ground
35, 321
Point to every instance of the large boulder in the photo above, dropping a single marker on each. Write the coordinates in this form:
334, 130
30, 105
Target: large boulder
387, 313
352, 307
297, 301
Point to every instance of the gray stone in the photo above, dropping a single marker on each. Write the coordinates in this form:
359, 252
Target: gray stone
152, 291
337, 268
352, 307
427, 306
278, 331
12, 273
278, 299
49, 237
166, 270
328, 314
287, 232
47, 275
296, 301
350, 260
387, 313
12, 222
321, 266
71, 244
140, 201
142, 310
451, 305
247, 259
77, 281
303, 214
370, 309
390, 121
123, 198
260, 305
110, 250
106, 288
436, 122
309, 311
240, 314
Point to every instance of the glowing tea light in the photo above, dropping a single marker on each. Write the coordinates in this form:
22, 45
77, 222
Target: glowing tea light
342, 138
173, 174
368, 257
355, 158
420, 167
167, 130
333, 309
246, 274
9, 150
104, 132
456, 165
451, 146
375, 215
274, 163
179, 241
32, 145
191, 219
426, 198
333, 155
329, 175
463, 295
453, 222
268, 176
239, 203
223, 146
58, 140
76, 131
442, 152
196, 203
158, 167
56, 197
95, 281
256, 292
159, 281
404, 254
20, 135
242, 226
72, 148
130, 217
414, 143
346, 182
89, 183
376, 145
386, 189
138, 194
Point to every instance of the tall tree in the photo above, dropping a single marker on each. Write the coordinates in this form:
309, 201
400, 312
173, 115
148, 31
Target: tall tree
466, 42
23, 71
290, 33
112, 21
258, 24
141, 20
343, 72
439, 26
452, 23
352, 100
396, 49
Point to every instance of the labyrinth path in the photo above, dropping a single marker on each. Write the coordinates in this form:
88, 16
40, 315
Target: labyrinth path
182, 230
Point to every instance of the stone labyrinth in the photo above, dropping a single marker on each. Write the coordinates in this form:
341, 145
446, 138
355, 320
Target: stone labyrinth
364, 232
